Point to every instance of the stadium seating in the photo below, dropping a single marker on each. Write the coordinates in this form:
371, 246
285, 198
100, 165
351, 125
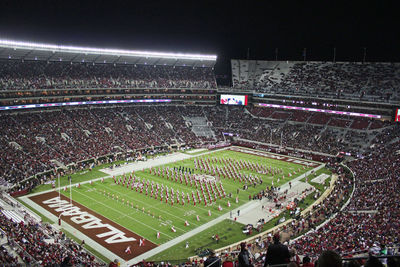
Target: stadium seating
368, 81
31, 238
31, 75
373, 213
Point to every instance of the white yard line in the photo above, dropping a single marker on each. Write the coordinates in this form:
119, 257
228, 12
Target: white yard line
144, 203
185, 236
109, 207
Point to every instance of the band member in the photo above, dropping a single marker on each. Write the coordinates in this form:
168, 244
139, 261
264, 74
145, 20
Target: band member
128, 250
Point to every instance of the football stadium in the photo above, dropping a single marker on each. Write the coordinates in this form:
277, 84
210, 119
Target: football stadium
122, 157
159, 164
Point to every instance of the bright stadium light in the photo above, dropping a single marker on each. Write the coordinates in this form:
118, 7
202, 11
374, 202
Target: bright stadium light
90, 50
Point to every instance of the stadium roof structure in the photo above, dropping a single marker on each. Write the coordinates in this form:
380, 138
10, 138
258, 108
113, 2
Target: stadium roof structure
10, 49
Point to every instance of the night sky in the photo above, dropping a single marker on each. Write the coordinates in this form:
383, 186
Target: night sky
225, 28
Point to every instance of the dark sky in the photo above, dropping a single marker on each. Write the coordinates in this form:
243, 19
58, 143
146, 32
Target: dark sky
225, 28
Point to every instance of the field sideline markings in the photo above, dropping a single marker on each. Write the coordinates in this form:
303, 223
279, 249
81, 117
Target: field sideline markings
122, 214
139, 212
158, 204
152, 205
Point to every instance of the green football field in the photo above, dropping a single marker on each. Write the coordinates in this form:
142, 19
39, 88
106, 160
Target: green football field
145, 215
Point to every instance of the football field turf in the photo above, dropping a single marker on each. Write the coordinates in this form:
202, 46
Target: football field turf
146, 215
123, 199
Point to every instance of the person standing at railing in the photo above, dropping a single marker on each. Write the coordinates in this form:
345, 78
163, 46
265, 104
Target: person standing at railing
212, 261
244, 256
307, 262
277, 253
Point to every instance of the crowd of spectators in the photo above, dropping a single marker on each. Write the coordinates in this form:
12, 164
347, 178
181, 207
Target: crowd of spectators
34, 142
368, 81
36, 243
257, 125
372, 216
339, 121
6, 258
31, 75
373, 79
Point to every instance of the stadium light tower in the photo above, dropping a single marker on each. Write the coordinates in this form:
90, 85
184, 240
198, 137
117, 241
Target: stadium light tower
103, 51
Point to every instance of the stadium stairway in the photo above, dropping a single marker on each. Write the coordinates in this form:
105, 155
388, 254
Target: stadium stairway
200, 127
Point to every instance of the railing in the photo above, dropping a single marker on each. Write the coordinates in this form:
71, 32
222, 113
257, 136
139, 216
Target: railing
33, 262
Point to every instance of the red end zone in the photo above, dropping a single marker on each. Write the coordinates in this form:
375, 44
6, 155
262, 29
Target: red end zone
107, 233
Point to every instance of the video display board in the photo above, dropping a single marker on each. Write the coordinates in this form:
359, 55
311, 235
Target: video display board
397, 115
238, 100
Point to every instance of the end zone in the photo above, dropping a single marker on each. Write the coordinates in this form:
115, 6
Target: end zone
108, 234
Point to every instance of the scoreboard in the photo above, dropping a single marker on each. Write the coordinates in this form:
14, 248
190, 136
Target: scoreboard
238, 100
397, 115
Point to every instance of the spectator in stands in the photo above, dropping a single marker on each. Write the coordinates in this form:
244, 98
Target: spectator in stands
66, 262
114, 263
329, 258
277, 253
228, 261
307, 262
244, 256
212, 260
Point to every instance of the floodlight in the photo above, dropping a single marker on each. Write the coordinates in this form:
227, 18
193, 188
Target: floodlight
90, 50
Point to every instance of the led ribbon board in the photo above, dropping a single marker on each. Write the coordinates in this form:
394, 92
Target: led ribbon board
61, 104
356, 114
